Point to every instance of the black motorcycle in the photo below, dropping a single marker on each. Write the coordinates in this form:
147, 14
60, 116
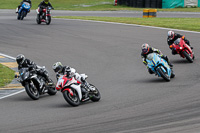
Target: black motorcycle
35, 85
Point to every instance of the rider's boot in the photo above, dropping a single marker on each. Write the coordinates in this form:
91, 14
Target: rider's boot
49, 81
16, 10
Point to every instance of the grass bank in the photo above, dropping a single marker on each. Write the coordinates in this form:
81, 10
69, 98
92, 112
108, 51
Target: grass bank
6, 75
192, 24
85, 5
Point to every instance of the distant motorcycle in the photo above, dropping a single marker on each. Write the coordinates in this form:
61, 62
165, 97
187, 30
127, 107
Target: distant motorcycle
183, 49
23, 10
35, 85
74, 92
45, 16
159, 66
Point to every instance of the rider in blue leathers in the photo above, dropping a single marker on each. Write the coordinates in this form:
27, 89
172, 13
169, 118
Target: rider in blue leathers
29, 1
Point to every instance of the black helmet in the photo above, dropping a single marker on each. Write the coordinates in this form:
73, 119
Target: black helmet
20, 59
57, 67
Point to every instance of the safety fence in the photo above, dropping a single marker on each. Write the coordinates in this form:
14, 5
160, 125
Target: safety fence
159, 3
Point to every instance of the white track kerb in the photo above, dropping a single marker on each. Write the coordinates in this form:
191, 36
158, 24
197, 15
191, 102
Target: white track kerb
13, 58
105, 23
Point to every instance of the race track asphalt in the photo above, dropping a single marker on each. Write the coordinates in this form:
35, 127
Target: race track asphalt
133, 101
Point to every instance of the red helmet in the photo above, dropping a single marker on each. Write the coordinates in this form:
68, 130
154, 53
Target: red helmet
145, 48
170, 35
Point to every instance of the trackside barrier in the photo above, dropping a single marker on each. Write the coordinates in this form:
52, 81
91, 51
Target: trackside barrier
145, 13
149, 13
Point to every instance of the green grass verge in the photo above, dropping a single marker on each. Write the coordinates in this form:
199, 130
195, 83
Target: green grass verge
85, 5
6, 75
192, 24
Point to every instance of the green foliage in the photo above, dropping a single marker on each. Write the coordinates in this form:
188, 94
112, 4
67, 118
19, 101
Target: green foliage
6, 75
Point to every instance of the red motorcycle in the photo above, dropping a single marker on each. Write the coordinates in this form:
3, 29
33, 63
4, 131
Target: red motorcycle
45, 16
183, 49
74, 92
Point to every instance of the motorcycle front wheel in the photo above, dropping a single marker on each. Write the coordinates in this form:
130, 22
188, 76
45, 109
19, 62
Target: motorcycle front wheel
32, 91
73, 100
163, 75
48, 21
96, 96
22, 15
187, 56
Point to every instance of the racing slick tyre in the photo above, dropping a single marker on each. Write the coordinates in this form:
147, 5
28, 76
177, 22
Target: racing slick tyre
38, 19
96, 96
164, 75
48, 21
32, 91
18, 16
187, 56
73, 100
22, 15
172, 74
52, 89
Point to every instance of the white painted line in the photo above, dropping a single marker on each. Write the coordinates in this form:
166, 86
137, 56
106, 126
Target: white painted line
13, 94
153, 27
8, 56
17, 91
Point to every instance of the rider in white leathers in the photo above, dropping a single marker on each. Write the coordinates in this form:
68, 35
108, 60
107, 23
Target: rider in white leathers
70, 72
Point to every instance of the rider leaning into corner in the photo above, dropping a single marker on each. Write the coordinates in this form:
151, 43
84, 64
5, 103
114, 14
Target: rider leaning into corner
43, 5
172, 36
70, 72
29, 1
24, 62
146, 49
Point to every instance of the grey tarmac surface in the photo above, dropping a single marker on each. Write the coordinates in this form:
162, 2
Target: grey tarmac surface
133, 101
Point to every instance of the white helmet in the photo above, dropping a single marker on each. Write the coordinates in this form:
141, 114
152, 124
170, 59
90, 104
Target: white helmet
170, 35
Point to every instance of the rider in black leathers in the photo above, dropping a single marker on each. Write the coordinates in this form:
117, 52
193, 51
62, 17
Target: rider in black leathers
23, 62
171, 37
43, 5
29, 1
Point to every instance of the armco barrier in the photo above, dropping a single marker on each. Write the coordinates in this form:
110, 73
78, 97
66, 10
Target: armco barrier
152, 13
145, 13
149, 13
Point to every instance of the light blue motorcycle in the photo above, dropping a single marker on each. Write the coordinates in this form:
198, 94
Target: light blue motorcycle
23, 10
159, 66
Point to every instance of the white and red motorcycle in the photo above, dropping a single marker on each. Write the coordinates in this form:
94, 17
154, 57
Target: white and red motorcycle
74, 92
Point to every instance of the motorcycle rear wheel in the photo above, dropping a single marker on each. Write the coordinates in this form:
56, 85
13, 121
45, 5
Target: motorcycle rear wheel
52, 89
163, 75
188, 57
32, 91
72, 100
